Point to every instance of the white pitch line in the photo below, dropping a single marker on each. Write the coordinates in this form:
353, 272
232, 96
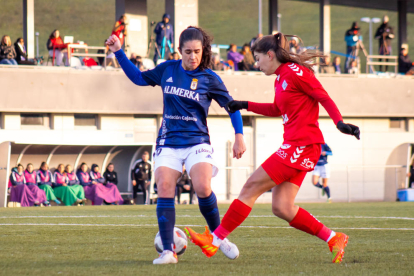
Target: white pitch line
156, 225
198, 216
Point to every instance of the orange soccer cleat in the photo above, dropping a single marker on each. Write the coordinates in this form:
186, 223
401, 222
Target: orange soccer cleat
337, 246
204, 241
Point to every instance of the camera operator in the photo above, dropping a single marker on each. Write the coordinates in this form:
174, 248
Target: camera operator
164, 37
119, 29
351, 38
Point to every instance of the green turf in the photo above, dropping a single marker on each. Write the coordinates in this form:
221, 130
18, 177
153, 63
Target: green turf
118, 240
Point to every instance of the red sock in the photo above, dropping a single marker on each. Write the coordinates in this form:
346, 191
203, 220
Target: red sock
235, 216
307, 223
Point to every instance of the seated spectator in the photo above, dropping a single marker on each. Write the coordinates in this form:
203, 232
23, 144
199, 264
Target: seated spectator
26, 194
247, 64
21, 55
354, 68
185, 185
96, 191
326, 66
337, 65
234, 56
69, 194
110, 57
216, 63
294, 45
111, 175
55, 42
45, 182
405, 65
7, 51
176, 56
137, 61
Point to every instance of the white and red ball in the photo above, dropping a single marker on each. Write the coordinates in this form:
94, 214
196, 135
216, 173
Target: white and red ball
180, 242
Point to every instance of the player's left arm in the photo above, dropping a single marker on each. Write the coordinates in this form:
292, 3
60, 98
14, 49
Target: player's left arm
220, 94
308, 84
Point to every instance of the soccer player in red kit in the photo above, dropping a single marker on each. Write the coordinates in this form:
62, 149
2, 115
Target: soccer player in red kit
297, 94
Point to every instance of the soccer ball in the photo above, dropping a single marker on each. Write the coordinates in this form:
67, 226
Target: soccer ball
180, 242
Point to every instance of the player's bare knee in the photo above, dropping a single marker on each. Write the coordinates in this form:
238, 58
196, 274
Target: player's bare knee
281, 210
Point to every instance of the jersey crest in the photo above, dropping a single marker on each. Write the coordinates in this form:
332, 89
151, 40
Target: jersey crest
194, 84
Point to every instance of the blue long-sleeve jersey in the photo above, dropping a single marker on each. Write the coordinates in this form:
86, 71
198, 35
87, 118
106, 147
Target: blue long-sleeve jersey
187, 98
323, 160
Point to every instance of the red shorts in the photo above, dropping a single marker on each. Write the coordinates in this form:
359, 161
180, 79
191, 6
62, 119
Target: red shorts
291, 163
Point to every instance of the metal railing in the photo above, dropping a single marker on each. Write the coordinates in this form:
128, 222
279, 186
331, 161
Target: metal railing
371, 63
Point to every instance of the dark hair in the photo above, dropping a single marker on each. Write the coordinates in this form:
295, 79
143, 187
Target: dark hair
52, 34
41, 165
196, 33
278, 43
18, 40
145, 152
29, 165
109, 165
122, 17
19, 165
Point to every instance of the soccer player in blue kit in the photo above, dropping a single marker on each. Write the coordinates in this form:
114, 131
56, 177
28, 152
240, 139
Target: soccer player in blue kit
322, 171
188, 88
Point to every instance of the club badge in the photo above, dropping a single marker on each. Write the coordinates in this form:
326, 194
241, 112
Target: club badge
194, 84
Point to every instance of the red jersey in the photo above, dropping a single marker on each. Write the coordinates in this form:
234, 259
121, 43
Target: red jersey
120, 32
297, 93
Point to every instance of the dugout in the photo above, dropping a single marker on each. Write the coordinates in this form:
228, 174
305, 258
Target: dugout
122, 156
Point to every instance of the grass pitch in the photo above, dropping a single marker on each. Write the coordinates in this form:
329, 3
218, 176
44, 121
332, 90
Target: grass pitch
118, 240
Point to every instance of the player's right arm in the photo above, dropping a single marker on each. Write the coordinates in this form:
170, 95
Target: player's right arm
132, 72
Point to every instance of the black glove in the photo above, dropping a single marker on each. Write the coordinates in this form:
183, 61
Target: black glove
233, 106
348, 129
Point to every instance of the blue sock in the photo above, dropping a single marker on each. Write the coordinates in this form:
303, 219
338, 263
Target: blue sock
319, 186
327, 191
209, 209
166, 221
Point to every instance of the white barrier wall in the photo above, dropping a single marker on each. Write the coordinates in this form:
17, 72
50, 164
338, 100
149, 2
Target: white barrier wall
377, 143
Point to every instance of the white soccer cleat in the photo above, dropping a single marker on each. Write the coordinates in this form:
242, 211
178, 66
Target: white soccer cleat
229, 249
166, 257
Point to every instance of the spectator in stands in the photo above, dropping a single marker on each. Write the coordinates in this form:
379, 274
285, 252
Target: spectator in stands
55, 43
405, 65
22, 193
247, 64
410, 175
294, 45
72, 177
326, 66
176, 56
141, 175
111, 175
353, 68
110, 58
119, 29
21, 55
185, 185
337, 65
234, 56
216, 65
164, 39
384, 34
69, 194
351, 39
96, 191
7, 52
254, 39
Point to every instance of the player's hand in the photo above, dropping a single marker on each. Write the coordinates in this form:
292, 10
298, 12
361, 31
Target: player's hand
239, 146
233, 106
134, 183
323, 153
113, 43
348, 129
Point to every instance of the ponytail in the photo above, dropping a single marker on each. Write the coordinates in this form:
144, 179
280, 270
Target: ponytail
279, 44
